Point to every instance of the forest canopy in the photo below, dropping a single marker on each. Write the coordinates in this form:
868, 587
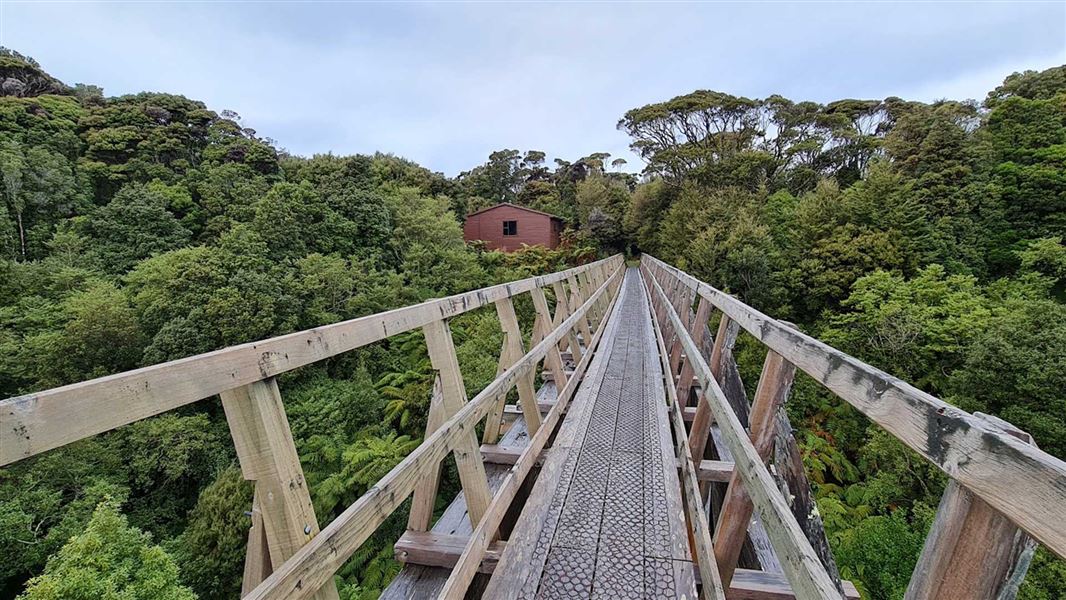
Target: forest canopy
924, 238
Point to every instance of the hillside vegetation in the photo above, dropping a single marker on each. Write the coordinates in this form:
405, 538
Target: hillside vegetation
926, 239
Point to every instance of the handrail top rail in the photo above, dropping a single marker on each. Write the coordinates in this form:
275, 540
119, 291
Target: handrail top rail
40, 421
1024, 483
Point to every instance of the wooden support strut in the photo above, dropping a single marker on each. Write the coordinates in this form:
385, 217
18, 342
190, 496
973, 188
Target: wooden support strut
801, 564
684, 382
554, 359
562, 311
485, 532
512, 353
770, 395
576, 299
315, 563
701, 423
1020, 481
283, 516
972, 550
676, 301
467, 452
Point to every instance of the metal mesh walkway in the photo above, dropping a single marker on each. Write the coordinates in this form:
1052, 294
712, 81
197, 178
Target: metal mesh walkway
605, 518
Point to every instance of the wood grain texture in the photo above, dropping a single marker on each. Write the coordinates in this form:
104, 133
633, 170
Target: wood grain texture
1024, 483
971, 551
424, 498
316, 562
684, 380
267, 456
804, 571
40, 421
774, 386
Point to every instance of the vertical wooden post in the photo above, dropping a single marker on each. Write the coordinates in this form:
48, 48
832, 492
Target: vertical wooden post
424, 498
467, 452
562, 312
972, 550
587, 287
554, 360
512, 352
267, 455
684, 383
257, 565
774, 386
700, 430
577, 298
683, 306
494, 418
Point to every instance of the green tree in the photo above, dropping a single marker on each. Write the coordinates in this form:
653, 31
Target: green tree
133, 226
110, 561
211, 549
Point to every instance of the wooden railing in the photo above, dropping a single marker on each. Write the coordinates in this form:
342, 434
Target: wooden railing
288, 557
1002, 486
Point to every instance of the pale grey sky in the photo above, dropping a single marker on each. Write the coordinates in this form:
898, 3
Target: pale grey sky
444, 84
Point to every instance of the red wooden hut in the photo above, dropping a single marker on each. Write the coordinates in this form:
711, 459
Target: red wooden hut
507, 226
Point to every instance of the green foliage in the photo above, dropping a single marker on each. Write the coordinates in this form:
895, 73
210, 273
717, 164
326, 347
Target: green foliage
881, 553
1016, 368
110, 561
1046, 579
923, 238
211, 549
135, 225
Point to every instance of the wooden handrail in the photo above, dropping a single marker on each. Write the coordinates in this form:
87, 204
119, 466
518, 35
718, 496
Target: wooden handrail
314, 564
803, 568
698, 522
485, 531
1025, 484
41, 421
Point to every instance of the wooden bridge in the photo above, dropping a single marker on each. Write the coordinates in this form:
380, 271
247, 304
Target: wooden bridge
637, 469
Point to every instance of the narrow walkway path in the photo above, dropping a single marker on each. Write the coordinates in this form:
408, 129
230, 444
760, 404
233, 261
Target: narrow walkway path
605, 519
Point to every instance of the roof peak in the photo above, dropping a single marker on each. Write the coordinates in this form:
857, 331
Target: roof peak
518, 206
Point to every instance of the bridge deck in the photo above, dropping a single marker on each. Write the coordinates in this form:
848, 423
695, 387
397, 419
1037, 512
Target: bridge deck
605, 518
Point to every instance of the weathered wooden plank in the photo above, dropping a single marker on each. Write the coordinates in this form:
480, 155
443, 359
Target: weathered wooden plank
468, 461
512, 352
698, 523
972, 550
750, 584
315, 563
576, 298
484, 533
771, 393
715, 470
684, 381
701, 422
441, 550
267, 456
554, 360
257, 565
417, 581
1020, 481
801, 564
40, 421
789, 469
504, 455
424, 499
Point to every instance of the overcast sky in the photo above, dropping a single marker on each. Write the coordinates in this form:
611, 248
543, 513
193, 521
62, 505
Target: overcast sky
445, 84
